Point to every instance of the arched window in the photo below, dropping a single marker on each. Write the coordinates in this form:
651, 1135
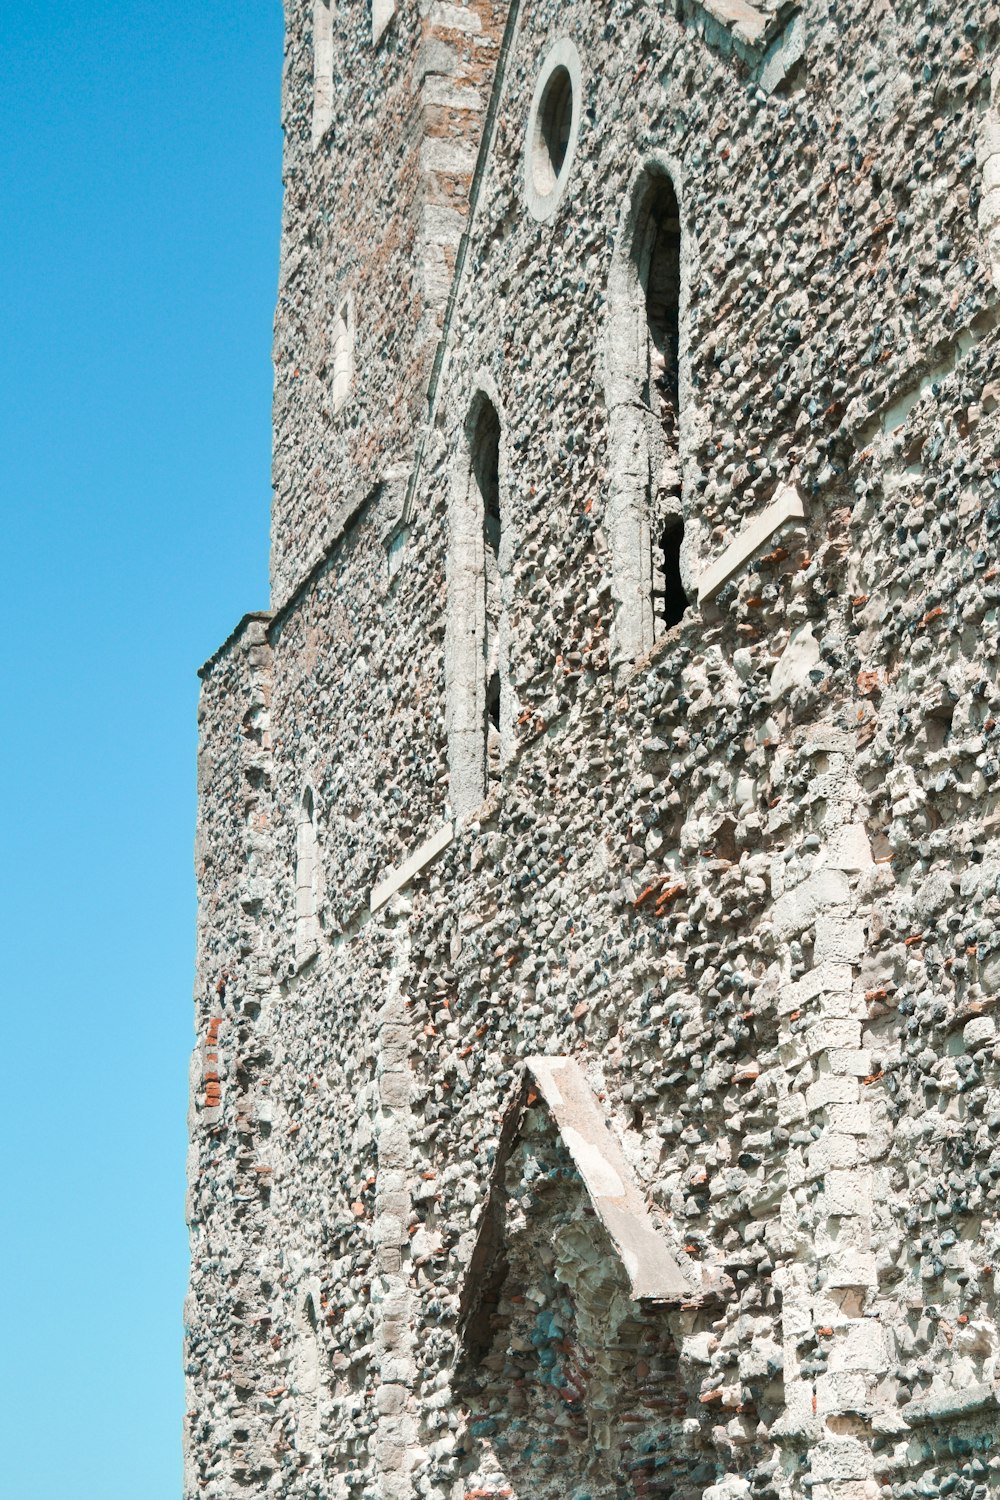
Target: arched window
646, 509
306, 880
479, 697
486, 473
322, 70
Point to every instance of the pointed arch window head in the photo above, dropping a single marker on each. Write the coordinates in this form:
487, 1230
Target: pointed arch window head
306, 880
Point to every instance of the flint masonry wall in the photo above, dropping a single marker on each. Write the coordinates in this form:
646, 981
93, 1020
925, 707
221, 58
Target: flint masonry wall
748, 880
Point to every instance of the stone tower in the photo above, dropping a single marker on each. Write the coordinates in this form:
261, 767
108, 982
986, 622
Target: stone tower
597, 1086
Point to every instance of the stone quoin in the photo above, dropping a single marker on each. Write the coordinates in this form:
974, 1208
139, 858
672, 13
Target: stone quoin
596, 1093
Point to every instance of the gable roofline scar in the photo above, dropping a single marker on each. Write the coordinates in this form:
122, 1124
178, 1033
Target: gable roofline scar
586, 1131
261, 616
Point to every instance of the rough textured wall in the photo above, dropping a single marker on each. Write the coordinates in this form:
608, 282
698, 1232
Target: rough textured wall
375, 205
748, 878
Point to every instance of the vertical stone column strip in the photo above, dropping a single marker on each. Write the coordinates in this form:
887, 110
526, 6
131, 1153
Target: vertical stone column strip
465, 703
395, 1436
988, 159
834, 1349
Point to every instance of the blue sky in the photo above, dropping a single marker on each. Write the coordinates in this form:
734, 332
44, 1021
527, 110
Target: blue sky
140, 200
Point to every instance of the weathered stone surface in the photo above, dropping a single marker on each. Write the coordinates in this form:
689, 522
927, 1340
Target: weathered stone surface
486, 784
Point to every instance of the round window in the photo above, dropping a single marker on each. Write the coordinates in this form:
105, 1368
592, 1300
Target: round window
553, 127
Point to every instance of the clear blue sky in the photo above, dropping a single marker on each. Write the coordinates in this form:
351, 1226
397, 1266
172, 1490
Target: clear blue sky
140, 202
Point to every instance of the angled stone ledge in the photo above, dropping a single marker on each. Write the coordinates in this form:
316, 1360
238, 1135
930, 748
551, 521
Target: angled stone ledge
411, 868
952, 1406
787, 506
653, 1274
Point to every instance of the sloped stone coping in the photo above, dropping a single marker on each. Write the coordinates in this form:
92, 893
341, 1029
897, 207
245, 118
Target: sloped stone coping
749, 26
786, 506
654, 1275
410, 868
586, 1131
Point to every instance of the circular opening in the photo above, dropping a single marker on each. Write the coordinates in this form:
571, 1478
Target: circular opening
555, 122
552, 129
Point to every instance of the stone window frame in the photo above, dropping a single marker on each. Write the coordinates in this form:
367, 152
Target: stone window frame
341, 362
323, 50
465, 633
308, 871
632, 423
543, 201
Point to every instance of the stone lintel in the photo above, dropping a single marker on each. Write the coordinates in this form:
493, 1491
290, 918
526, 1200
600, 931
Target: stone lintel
952, 1405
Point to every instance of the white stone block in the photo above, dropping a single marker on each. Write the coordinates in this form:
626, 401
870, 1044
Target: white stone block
849, 848
827, 1033
861, 1346
851, 1119
844, 1390
832, 1089
852, 1268
845, 1193
857, 1064
823, 980
843, 1458
833, 1152
839, 939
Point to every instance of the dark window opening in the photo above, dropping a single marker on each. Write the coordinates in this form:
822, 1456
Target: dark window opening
658, 264
493, 700
555, 122
669, 599
486, 468
486, 477
662, 286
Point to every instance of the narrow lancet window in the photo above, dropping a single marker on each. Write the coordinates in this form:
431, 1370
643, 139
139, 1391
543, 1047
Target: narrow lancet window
486, 472
479, 694
645, 394
306, 881
658, 243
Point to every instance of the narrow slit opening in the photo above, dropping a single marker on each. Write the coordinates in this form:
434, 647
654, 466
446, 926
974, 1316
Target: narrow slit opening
669, 599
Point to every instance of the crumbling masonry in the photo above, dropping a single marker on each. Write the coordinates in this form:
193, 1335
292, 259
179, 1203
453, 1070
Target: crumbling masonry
597, 1081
